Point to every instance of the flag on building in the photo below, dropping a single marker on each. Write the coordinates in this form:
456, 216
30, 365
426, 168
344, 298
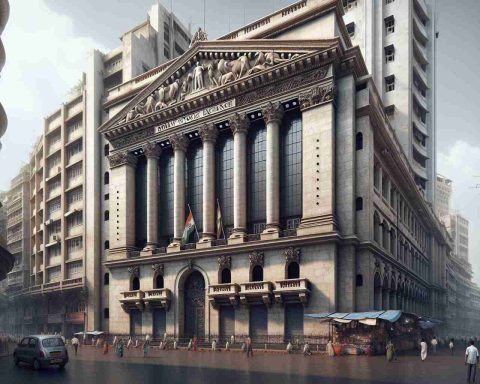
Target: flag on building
220, 231
189, 227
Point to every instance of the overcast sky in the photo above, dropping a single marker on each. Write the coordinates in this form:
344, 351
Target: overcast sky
47, 41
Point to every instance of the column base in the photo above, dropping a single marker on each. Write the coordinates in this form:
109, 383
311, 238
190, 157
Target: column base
206, 240
150, 247
317, 225
174, 246
271, 232
238, 236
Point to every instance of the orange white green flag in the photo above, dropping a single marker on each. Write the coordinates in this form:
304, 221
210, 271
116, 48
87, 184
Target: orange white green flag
189, 227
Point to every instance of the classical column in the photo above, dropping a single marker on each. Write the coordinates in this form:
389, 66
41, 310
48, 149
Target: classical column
122, 202
318, 140
239, 125
180, 145
273, 114
152, 153
209, 134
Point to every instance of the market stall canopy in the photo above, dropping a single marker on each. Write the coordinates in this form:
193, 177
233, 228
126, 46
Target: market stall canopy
91, 333
369, 318
428, 323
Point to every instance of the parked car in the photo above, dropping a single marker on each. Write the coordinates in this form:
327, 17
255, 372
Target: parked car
41, 351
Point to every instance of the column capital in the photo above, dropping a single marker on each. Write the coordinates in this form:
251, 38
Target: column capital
239, 123
273, 112
317, 95
179, 142
122, 158
152, 150
208, 132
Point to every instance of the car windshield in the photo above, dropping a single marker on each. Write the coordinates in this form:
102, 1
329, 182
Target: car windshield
53, 342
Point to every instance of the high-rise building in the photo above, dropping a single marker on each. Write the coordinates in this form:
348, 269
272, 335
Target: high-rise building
443, 193
397, 40
457, 226
69, 183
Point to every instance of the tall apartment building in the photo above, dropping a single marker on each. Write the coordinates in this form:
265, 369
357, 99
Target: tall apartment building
69, 172
397, 40
457, 226
18, 229
443, 193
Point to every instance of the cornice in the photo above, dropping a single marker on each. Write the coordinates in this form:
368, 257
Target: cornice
122, 158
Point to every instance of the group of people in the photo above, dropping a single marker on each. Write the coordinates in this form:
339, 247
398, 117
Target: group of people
7, 342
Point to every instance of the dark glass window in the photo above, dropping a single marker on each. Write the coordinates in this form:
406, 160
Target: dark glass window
159, 282
106, 245
135, 284
257, 273
106, 313
291, 167
359, 141
165, 214
293, 270
141, 202
106, 216
224, 177
359, 204
106, 279
195, 182
256, 169
106, 150
226, 276
106, 178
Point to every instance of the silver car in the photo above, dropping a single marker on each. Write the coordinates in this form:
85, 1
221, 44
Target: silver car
41, 351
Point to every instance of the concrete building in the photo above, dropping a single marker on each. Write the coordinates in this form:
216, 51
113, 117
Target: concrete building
397, 39
443, 193
457, 226
281, 126
63, 287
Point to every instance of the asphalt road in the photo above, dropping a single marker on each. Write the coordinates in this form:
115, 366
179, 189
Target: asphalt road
233, 367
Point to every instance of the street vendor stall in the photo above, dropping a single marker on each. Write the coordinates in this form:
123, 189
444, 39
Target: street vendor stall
88, 338
368, 332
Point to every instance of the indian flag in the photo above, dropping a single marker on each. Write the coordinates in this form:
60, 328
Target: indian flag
219, 222
189, 227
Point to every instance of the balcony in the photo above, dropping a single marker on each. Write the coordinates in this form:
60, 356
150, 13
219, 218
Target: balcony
74, 159
292, 291
420, 149
419, 29
132, 300
256, 292
419, 170
76, 230
420, 52
157, 298
219, 294
421, 7
74, 110
420, 99
419, 124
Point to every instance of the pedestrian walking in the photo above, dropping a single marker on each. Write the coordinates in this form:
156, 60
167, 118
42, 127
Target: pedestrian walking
75, 343
471, 361
214, 345
146, 348
289, 347
450, 346
120, 347
330, 350
189, 346
105, 347
423, 350
115, 341
195, 342
175, 345
306, 350
434, 343
227, 346
390, 351
248, 344
129, 343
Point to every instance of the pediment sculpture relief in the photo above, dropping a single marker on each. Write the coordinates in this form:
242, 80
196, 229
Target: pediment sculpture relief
205, 75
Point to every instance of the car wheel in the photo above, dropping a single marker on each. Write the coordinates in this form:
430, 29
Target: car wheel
15, 360
36, 365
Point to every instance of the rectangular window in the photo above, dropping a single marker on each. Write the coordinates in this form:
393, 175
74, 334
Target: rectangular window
73, 129
224, 176
54, 205
195, 182
54, 254
351, 29
54, 274
166, 197
74, 220
349, 4
74, 245
389, 83
75, 195
389, 25
75, 269
389, 54
75, 148
74, 173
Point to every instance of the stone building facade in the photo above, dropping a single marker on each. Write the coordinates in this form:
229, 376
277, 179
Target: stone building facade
280, 125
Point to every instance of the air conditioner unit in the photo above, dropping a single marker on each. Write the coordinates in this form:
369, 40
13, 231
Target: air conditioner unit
48, 222
56, 238
59, 169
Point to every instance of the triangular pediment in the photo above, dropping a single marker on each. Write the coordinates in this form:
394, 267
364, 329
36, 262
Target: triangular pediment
209, 66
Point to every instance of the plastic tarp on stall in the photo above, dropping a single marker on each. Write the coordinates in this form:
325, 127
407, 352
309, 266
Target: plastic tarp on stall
369, 318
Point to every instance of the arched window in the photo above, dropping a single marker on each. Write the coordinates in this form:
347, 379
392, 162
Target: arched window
106, 149
386, 235
293, 270
106, 178
257, 273
226, 276
159, 282
106, 279
135, 284
376, 228
106, 216
106, 313
359, 141
393, 243
106, 245
359, 204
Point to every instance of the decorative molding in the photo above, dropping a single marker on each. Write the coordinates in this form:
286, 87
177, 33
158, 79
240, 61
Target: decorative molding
158, 269
132, 138
200, 35
179, 142
292, 254
208, 132
273, 113
317, 95
122, 158
239, 123
134, 271
256, 258
152, 150
190, 264
224, 262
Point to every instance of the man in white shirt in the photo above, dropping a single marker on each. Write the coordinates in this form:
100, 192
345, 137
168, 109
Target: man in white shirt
75, 343
471, 360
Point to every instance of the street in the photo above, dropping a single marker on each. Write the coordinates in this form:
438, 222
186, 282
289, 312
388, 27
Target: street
233, 367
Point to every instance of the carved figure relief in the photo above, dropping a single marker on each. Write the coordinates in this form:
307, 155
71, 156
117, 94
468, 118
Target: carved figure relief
134, 271
256, 258
224, 262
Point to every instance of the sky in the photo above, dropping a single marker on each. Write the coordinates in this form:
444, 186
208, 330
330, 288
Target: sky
47, 42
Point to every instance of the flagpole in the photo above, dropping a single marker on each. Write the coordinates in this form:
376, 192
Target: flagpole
223, 228
196, 231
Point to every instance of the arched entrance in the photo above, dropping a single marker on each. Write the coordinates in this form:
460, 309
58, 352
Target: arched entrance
194, 299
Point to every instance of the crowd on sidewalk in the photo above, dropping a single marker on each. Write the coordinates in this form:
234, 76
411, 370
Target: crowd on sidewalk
7, 343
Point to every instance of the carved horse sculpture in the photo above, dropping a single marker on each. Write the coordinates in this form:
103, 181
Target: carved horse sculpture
238, 67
